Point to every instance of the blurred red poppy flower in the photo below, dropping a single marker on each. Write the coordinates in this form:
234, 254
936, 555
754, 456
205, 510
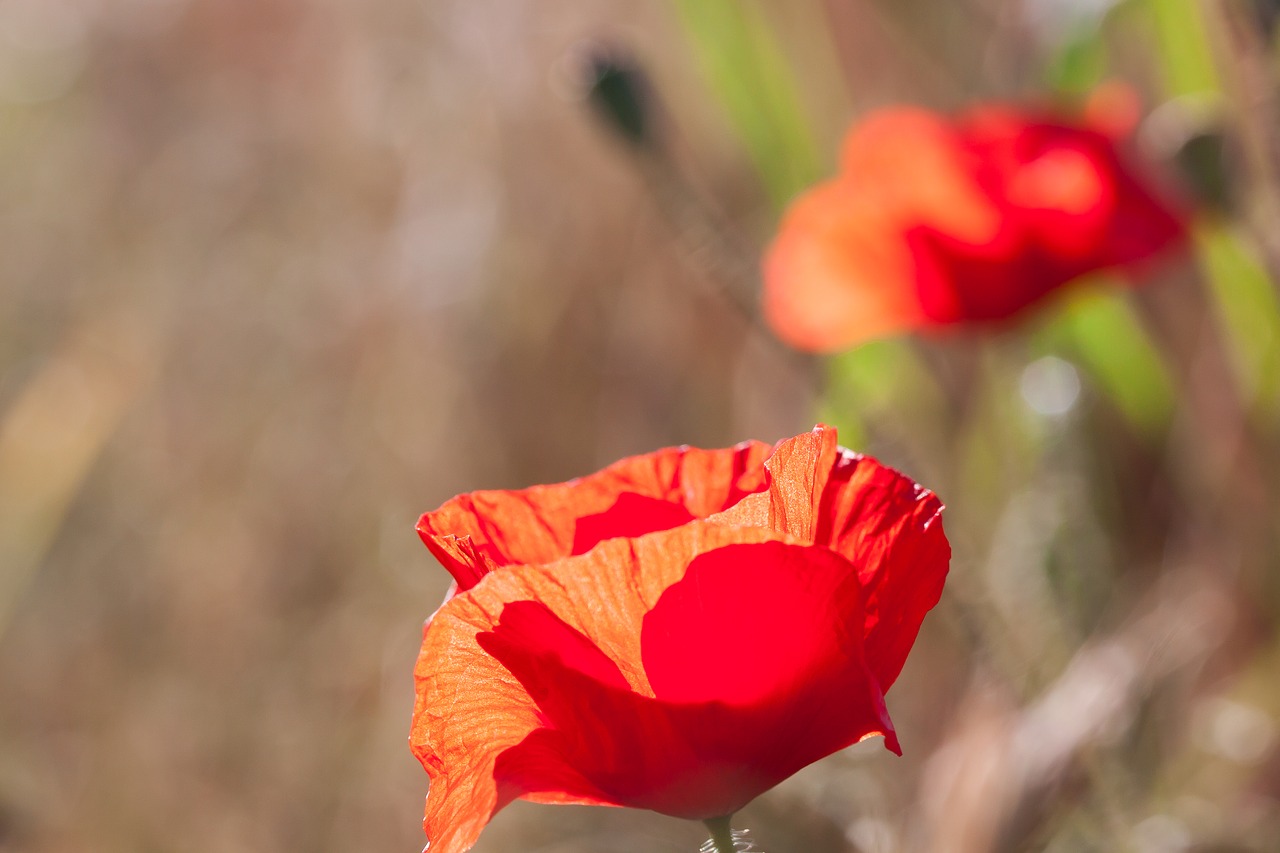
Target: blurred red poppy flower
934, 221
678, 632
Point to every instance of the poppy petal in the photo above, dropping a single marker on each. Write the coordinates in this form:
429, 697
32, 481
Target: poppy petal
833, 272
840, 269
798, 469
468, 710
934, 221
756, 673
915, 167
771, 631
883, 522
473, 534
529, 684
891, 529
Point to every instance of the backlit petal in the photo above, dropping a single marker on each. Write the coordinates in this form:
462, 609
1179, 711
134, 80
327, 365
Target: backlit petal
798, 469
891, 529
686, 671
475, 533
888, 526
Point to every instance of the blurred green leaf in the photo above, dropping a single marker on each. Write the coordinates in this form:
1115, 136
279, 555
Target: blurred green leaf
1250, 313
833, 410
1183, 44
737, 53
1104, 334
858, 382
875, 378
869, 372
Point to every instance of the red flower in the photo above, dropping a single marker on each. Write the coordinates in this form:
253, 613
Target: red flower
678, 632
933, 221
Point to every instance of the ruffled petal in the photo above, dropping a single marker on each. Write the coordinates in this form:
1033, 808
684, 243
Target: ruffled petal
626, 676
475, 533
883, 522
891, 529
798, 469
754, 658
470, 709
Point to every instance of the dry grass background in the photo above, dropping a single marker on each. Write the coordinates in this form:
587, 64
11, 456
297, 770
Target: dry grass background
279, 275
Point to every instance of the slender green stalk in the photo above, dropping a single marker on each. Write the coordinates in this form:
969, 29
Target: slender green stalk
721, 835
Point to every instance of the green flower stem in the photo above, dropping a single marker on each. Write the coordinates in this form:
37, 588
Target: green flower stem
721, 835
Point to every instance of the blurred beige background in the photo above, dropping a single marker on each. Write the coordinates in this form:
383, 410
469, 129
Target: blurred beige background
278, 276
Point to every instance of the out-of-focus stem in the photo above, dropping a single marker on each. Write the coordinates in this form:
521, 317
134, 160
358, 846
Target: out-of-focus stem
721, 834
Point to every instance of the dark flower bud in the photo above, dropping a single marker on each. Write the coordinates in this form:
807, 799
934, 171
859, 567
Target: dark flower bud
619, 92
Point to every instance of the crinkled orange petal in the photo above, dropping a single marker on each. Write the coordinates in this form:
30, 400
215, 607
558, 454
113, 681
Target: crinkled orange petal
798, 470
617, 677
475, 533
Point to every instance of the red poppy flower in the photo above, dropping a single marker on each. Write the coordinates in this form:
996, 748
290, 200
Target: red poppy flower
933, 221
678, 632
